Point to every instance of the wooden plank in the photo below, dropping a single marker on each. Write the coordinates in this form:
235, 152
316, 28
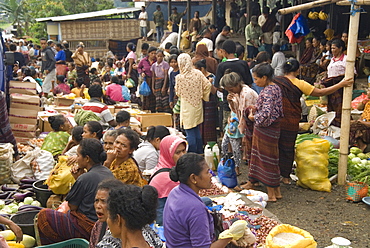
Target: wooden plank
304, 6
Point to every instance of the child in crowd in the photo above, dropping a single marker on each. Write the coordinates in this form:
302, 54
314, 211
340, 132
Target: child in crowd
166, 51
56, 141
80, 89
114, 90
93, 73
71, 74
106, 75
144, 51
233, 137
62, 87
123, 121
160, 83
172, 82
119, 71
71, 148
28, 77
194, 39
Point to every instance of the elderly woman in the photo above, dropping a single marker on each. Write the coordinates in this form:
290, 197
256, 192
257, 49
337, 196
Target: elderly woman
78, 222
309, 68
201, 52
101, 236
192, 87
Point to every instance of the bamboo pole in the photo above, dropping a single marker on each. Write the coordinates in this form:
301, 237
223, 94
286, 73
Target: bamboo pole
358, 2
354, 21
307, 6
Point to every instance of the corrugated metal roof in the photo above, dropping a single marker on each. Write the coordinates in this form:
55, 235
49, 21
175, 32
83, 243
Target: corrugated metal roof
106, 12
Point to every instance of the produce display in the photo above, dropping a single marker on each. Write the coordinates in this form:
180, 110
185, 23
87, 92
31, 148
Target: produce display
9, 236
216, 189
359, 165
6, 158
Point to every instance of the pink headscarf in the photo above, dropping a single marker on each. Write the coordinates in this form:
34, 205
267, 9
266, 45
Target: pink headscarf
162, 181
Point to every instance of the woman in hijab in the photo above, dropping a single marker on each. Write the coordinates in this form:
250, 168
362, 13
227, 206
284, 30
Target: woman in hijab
172, 148
192, 87
201, 52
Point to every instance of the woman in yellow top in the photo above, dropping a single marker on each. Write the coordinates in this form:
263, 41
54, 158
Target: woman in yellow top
292, 89
120, 160
83, 62
192, 87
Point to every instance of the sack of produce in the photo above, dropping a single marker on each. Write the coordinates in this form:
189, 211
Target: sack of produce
60, 179
6, 160
287, 236
312, 164
226, 172
43, 165
356, 191
22, 168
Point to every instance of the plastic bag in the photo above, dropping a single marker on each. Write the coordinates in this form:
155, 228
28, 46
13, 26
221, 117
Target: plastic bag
130, 83
61, 179
307, 241
126, 93
297, 29
312, 164
22, 168
358, 100
145, 89
6, 160
43, 165
184, 42
64, 207
226, 172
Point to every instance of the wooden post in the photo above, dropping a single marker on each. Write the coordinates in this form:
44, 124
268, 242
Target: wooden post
354, 21
169, 6
188, 14
358, 2
214, 15
304, 6
249, 12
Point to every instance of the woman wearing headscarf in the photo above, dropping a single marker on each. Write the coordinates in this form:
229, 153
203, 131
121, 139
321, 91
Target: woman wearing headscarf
192, 87
201, 52
172, 148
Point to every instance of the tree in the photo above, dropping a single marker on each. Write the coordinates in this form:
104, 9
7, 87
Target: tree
15, 11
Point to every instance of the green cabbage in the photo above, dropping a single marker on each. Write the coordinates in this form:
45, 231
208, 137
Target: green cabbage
362, 155
355, 150
351, 156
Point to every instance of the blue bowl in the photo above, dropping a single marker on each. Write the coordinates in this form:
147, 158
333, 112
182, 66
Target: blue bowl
366, 200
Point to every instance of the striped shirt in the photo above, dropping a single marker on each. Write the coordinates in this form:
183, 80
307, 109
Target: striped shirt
100, 109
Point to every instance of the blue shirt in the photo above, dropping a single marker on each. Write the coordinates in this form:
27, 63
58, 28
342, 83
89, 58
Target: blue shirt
61, 55
186, 221
173, 74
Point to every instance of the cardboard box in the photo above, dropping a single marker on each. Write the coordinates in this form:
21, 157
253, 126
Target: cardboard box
154, 119
22, 140
24, 134
20, 120
60, 101
111, 109
25, 106
63, 109
22, 98
23, 127
19, 87
20, 116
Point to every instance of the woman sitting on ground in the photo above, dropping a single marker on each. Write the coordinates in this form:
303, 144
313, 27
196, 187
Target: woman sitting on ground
101, 236
172, 148
78, 222
57, 140
120, 160
131, 209
187, 221
148, 152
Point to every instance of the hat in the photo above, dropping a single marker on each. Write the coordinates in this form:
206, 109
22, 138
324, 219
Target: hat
174, 8
21, 40
254, 19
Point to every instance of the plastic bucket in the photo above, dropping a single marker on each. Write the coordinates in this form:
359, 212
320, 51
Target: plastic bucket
25, 221
42, 192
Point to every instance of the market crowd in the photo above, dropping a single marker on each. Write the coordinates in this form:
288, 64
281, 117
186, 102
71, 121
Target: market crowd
208, 91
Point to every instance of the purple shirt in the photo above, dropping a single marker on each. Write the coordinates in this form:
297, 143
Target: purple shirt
62, 88
186, 221
159, 69
269, 106
145, 66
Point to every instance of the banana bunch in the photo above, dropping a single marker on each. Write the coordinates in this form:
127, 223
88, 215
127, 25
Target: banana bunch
323, 16
313, 15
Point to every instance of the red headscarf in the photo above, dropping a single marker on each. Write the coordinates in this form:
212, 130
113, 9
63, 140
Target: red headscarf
162, 181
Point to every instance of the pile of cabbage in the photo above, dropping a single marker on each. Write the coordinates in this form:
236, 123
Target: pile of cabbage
358, 165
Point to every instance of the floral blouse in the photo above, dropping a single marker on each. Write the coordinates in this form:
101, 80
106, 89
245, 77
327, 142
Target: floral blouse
269, 106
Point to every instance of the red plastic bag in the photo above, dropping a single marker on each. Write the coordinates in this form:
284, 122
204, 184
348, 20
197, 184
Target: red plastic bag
358, 100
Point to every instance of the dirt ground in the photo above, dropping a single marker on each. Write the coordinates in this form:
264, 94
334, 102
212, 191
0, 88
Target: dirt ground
324, 215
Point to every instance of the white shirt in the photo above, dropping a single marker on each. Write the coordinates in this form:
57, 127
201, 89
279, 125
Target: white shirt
278, 61
143, 15
208, 43
32, 80
337, 68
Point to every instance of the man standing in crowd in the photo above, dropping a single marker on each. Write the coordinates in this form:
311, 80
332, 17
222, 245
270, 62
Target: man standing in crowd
221, 37
67, 52
175, 19
253, 32
234, 16
268, 23
143, 17
207, 41
48, 66
159, 23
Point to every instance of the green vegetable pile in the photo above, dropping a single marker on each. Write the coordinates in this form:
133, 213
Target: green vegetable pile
305, 136
333, 161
